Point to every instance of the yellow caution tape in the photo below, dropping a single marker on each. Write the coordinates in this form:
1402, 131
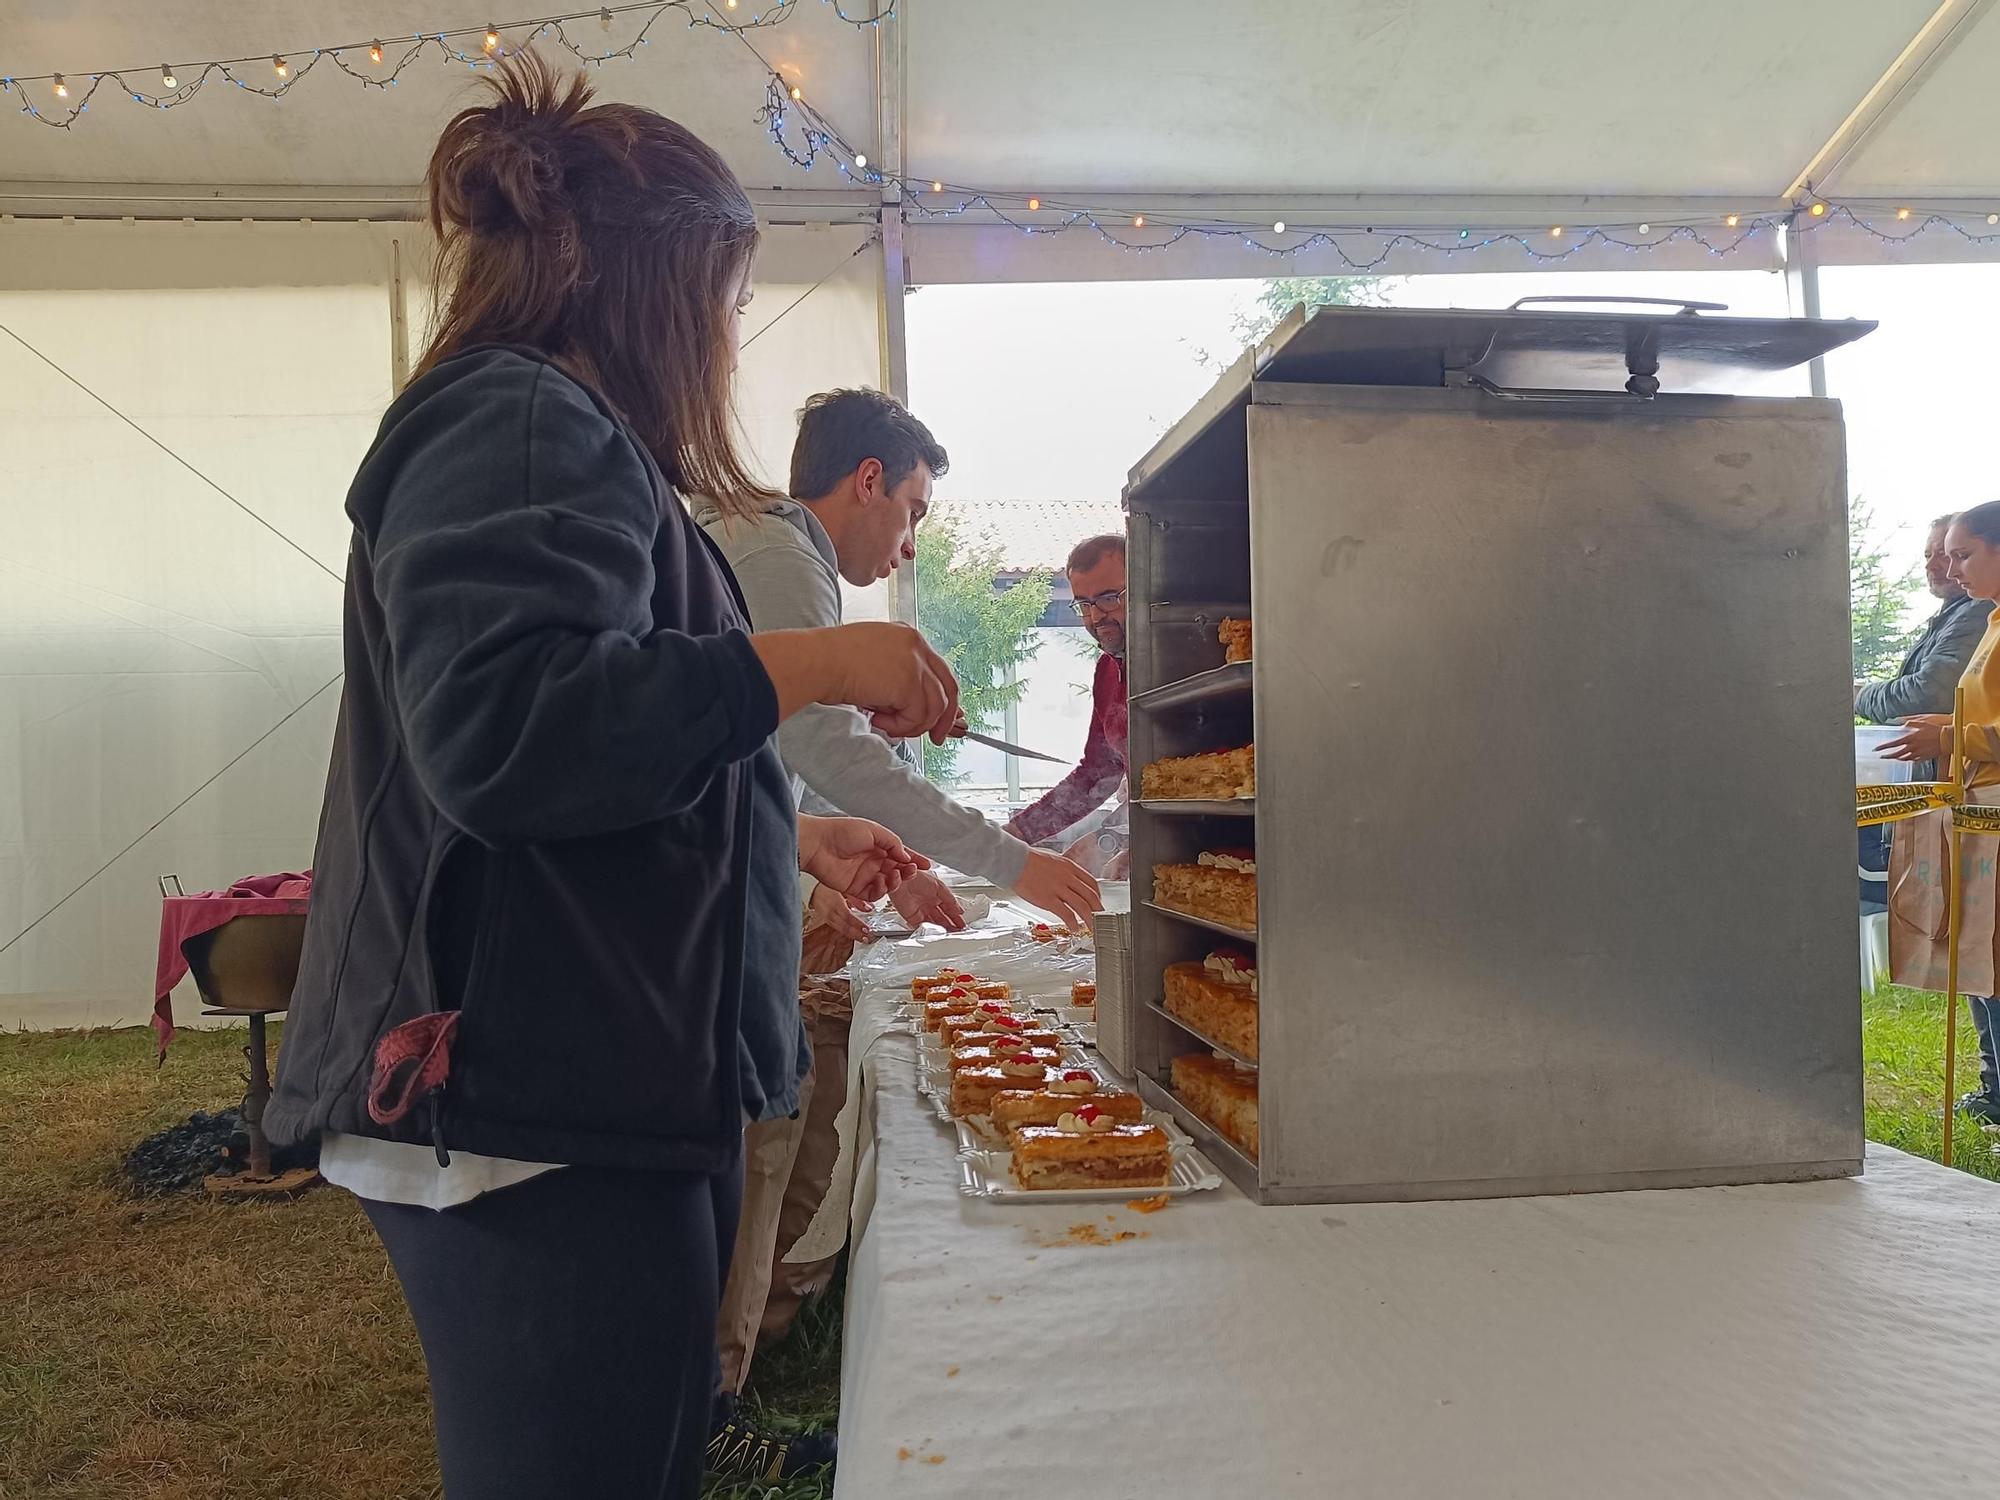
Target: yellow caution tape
1945, 793
1976, 819
1895, 812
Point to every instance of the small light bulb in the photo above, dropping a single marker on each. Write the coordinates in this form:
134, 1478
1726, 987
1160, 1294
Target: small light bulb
1902, 213
1138, 221
1465, 234
492, 40
375, 52
730, 3
1732, 221
860, 158
1556, 233
62, 89
167, 79
1645, 229
1993, 218
1034, 204
797, 92
604, 19
1819, 210
279, 66
1278, 226
937, 187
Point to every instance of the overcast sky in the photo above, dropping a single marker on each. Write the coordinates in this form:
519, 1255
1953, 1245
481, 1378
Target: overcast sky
1054, 391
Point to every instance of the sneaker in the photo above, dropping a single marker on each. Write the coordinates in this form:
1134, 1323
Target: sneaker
1982, 1107
738, 1451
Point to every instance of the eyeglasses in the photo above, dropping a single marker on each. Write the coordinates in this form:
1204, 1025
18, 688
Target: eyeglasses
1101, 604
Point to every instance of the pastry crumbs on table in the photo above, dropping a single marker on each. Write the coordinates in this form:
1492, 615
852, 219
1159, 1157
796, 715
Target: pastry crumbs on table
951, 1373
904, 1455
1150, 1205
934, 1458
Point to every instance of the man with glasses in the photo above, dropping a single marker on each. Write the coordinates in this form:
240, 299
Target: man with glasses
1096, 570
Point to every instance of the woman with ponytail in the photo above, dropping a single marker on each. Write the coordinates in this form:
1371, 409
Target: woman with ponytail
550, 971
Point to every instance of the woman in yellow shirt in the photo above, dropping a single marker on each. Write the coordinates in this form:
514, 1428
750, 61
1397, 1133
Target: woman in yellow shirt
1973, 546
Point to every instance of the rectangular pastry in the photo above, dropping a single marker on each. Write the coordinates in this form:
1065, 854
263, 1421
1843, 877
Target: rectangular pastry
1235, 638
1220, 886
1090, 1150
1218, 997
937, 1011
943, 979
991, 1057
1216, 776
973, 1089
991, 1016
1083, 992
1222, 1093
1016, 1107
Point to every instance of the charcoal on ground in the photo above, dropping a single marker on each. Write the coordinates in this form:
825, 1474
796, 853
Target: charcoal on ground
203, 1145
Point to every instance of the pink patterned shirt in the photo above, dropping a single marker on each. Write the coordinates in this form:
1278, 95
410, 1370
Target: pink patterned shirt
1097, 775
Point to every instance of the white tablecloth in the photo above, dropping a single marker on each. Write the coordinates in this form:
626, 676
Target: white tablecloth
1823, 1340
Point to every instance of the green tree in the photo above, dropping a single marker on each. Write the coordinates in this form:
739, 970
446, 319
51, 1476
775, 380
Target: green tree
1879, 600
980, 629
1282, 293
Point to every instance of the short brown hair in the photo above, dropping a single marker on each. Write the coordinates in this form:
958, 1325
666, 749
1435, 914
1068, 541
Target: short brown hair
1092, 550
610, 238
841, 430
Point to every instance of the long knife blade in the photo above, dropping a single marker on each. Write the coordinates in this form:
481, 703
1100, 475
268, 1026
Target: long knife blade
1002, 745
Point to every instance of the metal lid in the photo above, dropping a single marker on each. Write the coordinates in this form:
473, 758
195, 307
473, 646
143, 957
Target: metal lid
1691, 349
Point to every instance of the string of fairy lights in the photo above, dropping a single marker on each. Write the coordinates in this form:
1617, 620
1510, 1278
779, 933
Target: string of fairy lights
806, 139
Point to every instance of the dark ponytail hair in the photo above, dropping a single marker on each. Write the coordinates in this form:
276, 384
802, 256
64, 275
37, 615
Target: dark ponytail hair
610, 238
1982, 521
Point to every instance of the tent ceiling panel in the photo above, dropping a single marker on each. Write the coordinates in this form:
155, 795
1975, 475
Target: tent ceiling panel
1942, 139
331, 129
1462, 96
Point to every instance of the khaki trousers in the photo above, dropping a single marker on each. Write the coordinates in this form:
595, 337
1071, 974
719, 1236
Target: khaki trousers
787, 1165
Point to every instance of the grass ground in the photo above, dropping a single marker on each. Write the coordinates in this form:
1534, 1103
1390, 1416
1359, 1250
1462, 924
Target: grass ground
180, 1349
186, 1350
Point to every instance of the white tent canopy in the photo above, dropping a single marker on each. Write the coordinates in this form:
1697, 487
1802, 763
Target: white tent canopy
1320, 113
186, 393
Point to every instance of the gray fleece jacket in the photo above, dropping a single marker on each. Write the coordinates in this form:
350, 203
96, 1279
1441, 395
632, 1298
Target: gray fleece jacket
786, 566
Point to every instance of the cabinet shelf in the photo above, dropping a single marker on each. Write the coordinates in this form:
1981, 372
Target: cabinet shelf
1189, 807
1216, 685
1241, 934
1207, 1041
1234, 1162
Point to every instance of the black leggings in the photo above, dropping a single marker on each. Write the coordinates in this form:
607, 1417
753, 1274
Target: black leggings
569, 1326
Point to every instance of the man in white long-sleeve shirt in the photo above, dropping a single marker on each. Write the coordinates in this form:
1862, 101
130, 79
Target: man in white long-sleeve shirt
862, 472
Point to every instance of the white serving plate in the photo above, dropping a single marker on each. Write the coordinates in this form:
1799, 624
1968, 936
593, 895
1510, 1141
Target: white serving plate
987, 1174
976, 1136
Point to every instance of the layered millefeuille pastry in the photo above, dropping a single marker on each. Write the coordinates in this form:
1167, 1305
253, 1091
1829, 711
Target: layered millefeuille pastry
1220, 1092
1090, 1149
1083, 992
944, 979
1042, 932
963, 1058
994, 1017
1218, 998
943, 1007
1076, 1089
973, 1089
1235, 638
1216, 776
1220, 886
940, 989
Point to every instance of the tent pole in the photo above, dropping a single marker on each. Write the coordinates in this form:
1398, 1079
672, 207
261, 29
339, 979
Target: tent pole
892, 340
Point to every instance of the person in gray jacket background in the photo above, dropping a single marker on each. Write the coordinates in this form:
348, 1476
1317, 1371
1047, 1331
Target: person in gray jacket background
1925, 684
862, 473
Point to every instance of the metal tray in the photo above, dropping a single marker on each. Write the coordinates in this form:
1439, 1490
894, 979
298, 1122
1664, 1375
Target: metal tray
988, 1174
